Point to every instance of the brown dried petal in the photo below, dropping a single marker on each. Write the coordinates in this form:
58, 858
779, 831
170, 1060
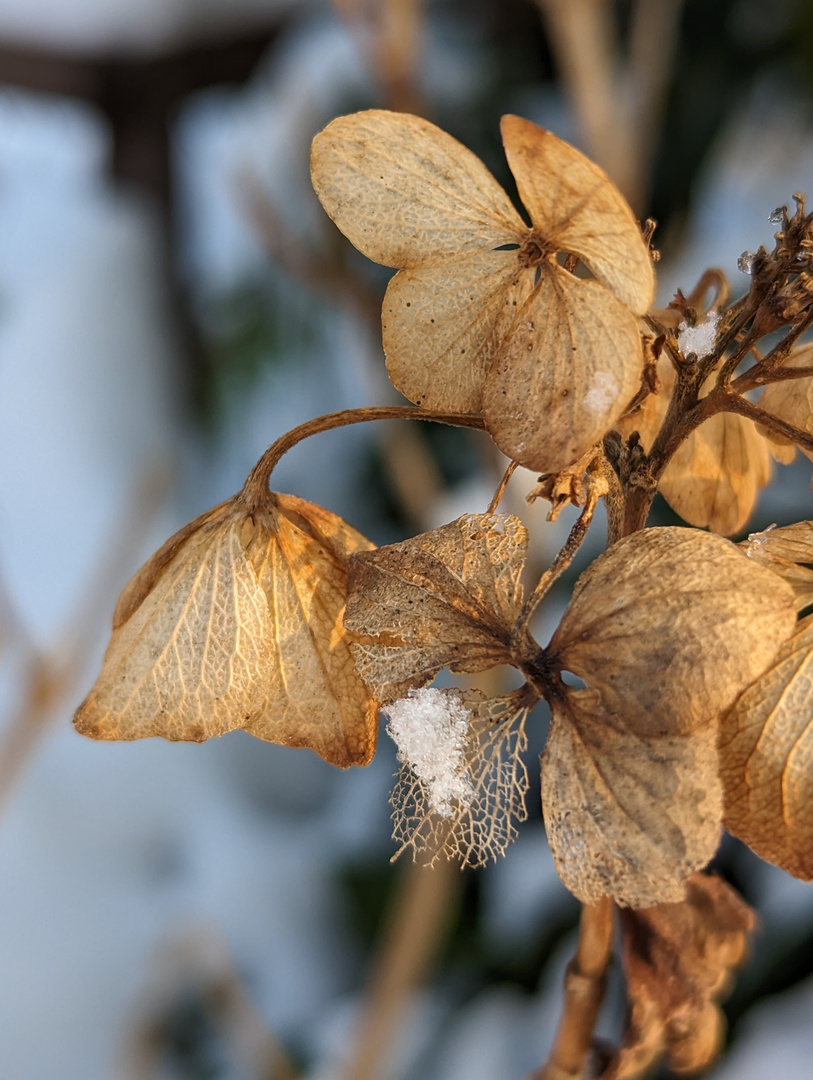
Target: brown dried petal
222, 624
766, 759
678, 959
406, 194
792, 400
628, 814
575, 207
564, 372
716, 475
670, 625
315, 697
785, 551
440, 327
188, 657
446, 598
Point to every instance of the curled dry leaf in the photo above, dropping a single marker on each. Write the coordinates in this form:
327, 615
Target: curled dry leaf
789, 553
716, 474
481, 316
766, 759
665, 629
678, 959
446, 598
481, 823
792, 399
236, 622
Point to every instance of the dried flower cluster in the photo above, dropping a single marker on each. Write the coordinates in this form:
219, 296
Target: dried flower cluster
275, 616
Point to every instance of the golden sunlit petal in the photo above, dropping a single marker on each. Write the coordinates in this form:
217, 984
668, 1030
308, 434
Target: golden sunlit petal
441, 327
715, 476
575, 207
188, 658
766, 745
564, 372
406, 194
314, 698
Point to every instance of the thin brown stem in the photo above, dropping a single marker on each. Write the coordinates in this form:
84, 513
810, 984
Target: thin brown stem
584, 990
256, 484
503, 484
756, 377
743, 407
596, 487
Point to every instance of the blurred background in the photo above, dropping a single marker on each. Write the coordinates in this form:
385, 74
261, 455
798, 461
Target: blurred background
172, 298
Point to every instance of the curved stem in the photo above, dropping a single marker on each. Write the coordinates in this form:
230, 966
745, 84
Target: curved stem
256, 484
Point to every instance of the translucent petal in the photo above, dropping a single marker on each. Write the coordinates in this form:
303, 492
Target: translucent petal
792, 400
564, 372
479, 827
441, 327
575, 207
766, 759
406, 194
314, 698
188, 657
715, 476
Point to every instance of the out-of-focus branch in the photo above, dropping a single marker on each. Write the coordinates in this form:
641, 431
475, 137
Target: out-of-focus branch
415, 927
618, 96
585, 43
49, 679
652, 50
584, 990
314, 269
389, 34
201, 963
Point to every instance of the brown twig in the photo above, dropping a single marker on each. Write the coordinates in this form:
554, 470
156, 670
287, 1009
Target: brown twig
256, 484
584, 990
503, 484
595, 488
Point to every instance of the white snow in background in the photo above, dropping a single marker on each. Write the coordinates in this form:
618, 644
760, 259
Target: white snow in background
119, 26
775, 1041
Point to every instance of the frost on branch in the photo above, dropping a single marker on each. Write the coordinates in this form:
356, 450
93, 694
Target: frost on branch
481, 317
461, 789
446, 598
699, 339
666, 629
